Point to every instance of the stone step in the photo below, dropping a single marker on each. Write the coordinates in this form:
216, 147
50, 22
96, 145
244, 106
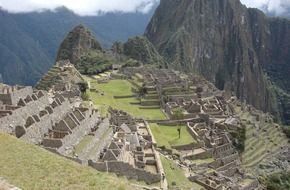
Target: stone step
104, 141
103, 127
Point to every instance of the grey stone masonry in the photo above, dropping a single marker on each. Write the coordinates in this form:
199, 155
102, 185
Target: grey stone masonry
20, 115
35, 133
78, 132
10, 95
86, 152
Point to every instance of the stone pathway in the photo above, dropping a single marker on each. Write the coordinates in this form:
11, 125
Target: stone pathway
85, 153
163, 183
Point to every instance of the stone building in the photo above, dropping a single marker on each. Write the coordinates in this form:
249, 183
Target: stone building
131, 152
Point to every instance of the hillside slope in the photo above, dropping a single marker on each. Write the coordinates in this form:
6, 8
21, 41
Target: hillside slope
36, 168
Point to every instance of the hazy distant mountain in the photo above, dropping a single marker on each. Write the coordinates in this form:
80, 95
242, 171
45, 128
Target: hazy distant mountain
29, 41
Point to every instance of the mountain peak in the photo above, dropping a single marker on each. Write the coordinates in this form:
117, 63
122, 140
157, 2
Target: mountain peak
77, 42
230, 45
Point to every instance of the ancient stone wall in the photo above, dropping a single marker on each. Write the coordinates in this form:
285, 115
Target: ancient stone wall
21, 93
78, 133
125, 169
20, 115
188, 146
52, 143
35, 133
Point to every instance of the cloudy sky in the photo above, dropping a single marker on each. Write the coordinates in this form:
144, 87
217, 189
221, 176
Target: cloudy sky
81, 7
277, 7
92, 7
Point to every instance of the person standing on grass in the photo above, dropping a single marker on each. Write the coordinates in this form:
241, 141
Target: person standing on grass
178, 130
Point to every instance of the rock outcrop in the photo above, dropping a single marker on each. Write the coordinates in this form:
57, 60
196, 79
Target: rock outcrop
238, 49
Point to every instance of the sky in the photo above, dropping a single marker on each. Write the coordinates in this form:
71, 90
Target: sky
278, 7
80, 7
94, 7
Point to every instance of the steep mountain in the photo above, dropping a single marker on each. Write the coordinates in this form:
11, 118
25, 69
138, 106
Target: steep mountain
239, 49
82, 49
78, 42
29, 41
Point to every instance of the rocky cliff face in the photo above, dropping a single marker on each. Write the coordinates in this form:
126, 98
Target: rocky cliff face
239, 49
78, 42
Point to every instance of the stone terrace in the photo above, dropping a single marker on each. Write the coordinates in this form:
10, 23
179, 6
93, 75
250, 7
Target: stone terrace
209, 119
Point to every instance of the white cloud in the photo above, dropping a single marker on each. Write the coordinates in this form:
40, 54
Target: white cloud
93, 7
277, 7
81, 7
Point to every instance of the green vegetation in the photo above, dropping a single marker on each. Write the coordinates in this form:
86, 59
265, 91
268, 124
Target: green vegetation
32, 168
141, 49
84, 142
286, 130
257, 143
277, 181
49, 79
203, 161
105, 98
79, 38
167, 136
178, 112
83, 86
240, 137
175, 175
94, 62
96, 146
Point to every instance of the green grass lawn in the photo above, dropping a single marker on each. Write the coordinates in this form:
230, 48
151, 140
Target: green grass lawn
175, 174
121, 88
203, 161
96, 146
84, 142
168, 135
30, 167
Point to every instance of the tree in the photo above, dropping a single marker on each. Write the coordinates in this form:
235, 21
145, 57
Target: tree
178, 112
83, 86
142, 91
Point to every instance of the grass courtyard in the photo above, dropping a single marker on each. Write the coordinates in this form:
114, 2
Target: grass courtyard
174, 174
104, 97
168, 135
30, 167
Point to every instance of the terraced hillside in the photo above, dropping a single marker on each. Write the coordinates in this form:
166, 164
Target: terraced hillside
58, 75
36, 168
262, 140
104, 95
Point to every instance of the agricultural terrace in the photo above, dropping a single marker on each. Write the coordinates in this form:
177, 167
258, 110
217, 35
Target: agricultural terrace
104, 94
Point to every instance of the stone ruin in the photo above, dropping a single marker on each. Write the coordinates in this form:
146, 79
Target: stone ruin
131, 152
62, 78
209, 117
59, 124
51, 121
